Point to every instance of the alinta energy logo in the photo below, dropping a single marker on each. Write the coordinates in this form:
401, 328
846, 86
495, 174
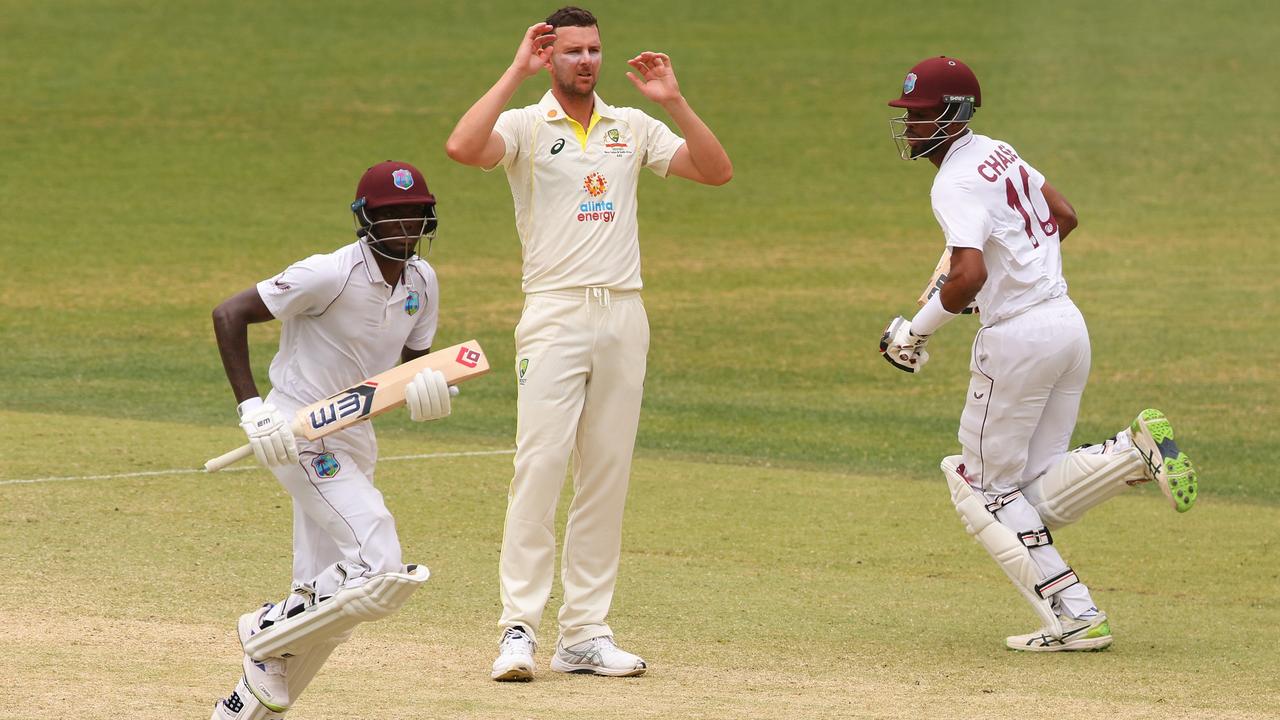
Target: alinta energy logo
595, 210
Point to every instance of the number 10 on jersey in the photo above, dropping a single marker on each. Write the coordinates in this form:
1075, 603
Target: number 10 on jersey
1048, 226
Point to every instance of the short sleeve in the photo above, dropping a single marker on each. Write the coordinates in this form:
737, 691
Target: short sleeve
424, 330
660, 144
306, 287
964, 219
512, 126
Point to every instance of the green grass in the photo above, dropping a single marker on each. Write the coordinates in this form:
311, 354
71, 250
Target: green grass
159, 157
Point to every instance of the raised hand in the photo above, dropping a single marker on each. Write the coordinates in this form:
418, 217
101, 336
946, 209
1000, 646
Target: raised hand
657, 79
531, 56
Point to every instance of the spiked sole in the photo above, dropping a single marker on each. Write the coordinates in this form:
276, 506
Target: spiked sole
518, 673
1171, 468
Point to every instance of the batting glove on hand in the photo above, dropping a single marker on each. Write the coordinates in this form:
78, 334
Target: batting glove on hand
903, 348
269, 433
428, 396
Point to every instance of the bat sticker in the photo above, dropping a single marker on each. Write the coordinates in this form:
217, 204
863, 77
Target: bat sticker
356, 401
468, 357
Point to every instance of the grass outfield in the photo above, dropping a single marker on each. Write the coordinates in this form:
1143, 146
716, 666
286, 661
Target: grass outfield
754, 592
790, 548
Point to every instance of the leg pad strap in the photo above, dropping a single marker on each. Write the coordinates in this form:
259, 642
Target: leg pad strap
336, 616
1036, 538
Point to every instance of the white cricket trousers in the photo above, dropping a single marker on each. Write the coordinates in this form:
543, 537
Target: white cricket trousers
342, 529
1027, 375
580, 365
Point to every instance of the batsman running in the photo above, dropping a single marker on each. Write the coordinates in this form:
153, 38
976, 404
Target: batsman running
574, 164
346, 316
1016, 481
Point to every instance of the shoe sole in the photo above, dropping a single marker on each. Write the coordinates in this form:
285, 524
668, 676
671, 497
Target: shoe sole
1086, 645
587, 669
516, 673
1171, 468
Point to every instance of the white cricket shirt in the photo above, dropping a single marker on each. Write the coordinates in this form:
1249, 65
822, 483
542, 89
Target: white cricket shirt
987, 197
574, 191
342, 323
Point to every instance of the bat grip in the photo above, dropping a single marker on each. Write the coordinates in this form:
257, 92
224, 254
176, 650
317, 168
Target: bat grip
230, 458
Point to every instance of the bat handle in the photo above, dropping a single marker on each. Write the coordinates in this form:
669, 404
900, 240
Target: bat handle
230, 458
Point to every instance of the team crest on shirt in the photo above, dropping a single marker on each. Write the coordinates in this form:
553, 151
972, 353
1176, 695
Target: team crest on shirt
326, 465
595, 184
402, 178
524, 367
909, 84
616, 144
412, 303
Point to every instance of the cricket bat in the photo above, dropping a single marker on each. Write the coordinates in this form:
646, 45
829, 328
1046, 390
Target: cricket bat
378, 394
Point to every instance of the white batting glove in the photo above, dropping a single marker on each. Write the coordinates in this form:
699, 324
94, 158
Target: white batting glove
903, 348
268, 432
428, 396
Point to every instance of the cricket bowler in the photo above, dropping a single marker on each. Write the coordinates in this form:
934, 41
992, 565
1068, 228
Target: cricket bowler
573, 163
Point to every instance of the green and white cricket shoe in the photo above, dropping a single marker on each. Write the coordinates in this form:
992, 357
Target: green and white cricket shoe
597, 656
1166, 464
1089, 634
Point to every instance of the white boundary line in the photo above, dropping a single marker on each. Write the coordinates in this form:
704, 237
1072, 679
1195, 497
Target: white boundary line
189, 471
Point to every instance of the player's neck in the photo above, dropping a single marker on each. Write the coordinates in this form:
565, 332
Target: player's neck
391, 270
578, 107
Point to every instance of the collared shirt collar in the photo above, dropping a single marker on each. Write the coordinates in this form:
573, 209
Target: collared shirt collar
374, 272
552, 111
961, 141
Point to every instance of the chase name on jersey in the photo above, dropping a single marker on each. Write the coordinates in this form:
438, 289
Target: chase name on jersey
596, 211
997, 162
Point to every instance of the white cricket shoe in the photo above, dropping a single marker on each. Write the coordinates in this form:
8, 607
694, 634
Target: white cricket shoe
597, 656
1088, 634
515, 656
266, 678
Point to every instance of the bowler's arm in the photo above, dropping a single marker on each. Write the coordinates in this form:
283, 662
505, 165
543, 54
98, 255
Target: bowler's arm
474, 141
231, 320
702, 158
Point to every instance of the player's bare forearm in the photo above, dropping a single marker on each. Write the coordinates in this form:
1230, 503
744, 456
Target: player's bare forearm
706, 160
1063, 213
472, 141
968, 275
407, 353
231, 320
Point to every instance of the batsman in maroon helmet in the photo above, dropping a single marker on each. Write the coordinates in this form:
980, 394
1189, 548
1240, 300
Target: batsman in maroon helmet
345, 316
1015, 481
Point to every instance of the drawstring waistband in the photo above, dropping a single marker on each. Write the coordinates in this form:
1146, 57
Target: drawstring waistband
602, 296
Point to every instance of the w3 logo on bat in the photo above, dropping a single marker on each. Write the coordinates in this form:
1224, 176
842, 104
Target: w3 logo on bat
468, 357
357, 401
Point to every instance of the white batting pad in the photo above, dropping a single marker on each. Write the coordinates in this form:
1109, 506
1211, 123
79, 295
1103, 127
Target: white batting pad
1081, 481
1002, 543
334, 617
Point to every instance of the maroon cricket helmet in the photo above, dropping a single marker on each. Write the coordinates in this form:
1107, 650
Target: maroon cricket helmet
392, 183
938, 82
